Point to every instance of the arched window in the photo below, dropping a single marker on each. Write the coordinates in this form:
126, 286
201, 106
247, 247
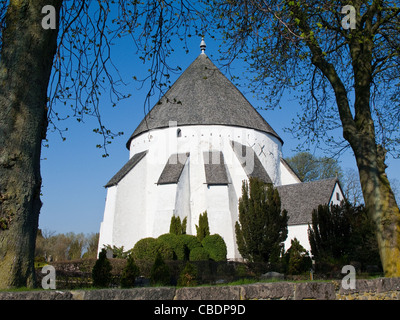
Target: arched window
179, 133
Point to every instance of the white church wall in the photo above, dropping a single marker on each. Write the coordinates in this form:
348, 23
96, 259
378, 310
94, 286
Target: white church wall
130, 223
219, 216
337, 195
287, 177
197, 139
300, 233
106, 226
144, 209
182, 202
165, 200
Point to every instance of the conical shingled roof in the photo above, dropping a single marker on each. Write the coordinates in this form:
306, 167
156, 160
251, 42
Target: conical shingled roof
202, 95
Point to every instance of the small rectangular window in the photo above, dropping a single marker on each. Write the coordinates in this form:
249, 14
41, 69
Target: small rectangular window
337, 196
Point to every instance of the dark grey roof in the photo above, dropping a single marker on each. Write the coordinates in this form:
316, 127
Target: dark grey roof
202, 95
125, 169
214, 166
173, 169
300, 199
257, 170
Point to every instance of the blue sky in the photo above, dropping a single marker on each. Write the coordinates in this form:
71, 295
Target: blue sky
74, 171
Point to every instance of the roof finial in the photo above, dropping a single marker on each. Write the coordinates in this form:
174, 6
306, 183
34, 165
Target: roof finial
202, 46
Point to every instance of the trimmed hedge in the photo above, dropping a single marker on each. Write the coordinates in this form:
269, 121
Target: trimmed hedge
176, 243
147, 249
215, 246
198, 254
190, 241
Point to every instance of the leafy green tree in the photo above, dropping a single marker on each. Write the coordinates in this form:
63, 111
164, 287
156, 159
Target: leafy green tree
346, 77
76, 243
92, 243
70, 63
203, 229
262, 226
101, 272
310, 168
130, 273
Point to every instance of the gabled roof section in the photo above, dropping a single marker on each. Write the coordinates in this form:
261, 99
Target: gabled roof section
214, 167
132, 162
255, 169
290, 169
173, 169
300, 199
202, 95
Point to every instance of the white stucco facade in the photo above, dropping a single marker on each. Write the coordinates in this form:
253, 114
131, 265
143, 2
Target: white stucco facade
201, 116
137, 207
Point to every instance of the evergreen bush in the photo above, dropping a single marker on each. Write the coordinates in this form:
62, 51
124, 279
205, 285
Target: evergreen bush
176, 243
187, 277
297, 259
177, 226
203, 229
342, 234
190, 243
215, 246
101, 272
160, 274
130, 273
198, 254
262, 226
147, 249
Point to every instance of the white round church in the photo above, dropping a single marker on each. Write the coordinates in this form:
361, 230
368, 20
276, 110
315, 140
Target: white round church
191, 153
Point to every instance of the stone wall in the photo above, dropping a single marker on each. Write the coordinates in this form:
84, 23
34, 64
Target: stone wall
375, 289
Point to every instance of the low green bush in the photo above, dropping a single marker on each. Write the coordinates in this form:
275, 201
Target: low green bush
129, 274
101, 272
147, 249
160, 273
215, 246
176, 243
190, 241
198, 254
187, 277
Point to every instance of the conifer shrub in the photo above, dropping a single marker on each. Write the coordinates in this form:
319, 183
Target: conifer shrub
262, 226
147, 249
297, 258
188, 275
130, 273
198, 254
176, 243
190, 243
101, 272
203, 229
215, 246
177, 226
160, 273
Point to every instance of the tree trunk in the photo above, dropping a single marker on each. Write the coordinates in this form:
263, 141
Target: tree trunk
381, 205
25, 67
